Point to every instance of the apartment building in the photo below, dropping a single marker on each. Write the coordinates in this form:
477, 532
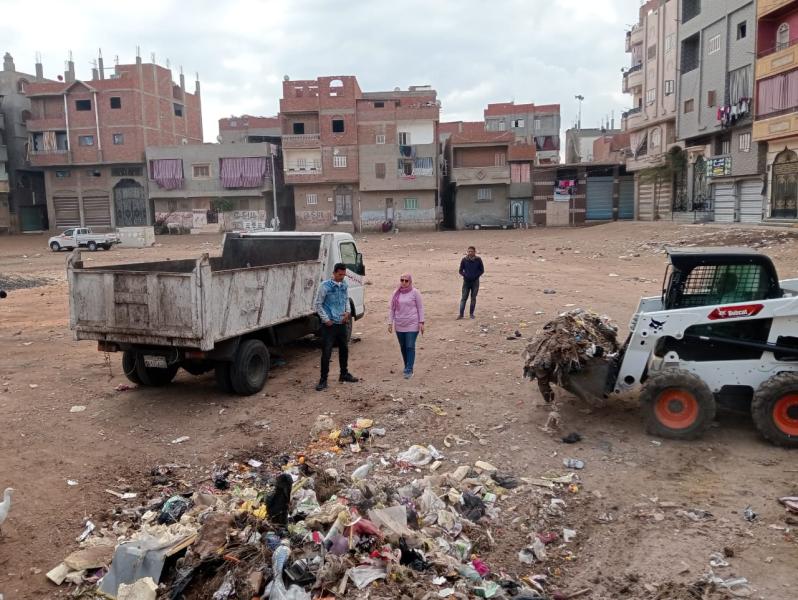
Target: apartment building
535, 125
5, 217
247, 129
359, 159
651, 81
776, 119
89, 138
724, 178
27, 206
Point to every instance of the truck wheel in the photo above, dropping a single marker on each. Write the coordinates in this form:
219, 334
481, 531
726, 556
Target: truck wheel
250, 368
106, 247
223, 377
129, 366
153, 376
775, 409
55, 247
92, 246
677, 404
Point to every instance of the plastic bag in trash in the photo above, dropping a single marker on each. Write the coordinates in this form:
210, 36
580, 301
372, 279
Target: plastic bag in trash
418, 456
172, 510
278, 589
365, 574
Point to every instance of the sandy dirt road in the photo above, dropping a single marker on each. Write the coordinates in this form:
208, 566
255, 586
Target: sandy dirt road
468, 368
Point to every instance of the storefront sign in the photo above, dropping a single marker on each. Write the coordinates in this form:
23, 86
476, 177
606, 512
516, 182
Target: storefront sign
564, 190
719, 167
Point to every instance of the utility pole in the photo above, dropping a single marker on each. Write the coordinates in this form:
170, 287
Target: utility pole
579, 97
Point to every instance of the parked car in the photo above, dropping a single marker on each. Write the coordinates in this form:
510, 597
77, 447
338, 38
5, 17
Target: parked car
488, 222
83, 237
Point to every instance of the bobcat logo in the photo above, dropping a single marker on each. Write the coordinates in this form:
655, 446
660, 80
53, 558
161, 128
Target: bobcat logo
656, 325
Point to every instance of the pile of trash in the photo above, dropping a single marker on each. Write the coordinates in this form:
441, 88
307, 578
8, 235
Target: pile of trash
347, 518
567, 344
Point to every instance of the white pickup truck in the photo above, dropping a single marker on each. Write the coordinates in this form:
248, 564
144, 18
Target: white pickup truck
219, 313
83, 237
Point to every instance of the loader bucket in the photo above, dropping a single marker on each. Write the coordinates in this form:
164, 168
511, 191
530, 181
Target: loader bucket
589, 383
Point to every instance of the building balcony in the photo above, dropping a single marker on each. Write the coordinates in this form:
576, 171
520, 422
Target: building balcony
765, 7
644, 161
772, 61
633, 119
48, 158
520, 189
305, 140
481, 175
202, 188
776, 125
634, 37
53, 123
633, 79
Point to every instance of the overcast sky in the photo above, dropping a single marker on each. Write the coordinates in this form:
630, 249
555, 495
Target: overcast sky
471, 51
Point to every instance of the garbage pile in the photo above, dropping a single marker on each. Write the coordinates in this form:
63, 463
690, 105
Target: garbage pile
567, 344
345, 518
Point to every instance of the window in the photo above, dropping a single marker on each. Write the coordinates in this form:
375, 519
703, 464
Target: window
126, 171
745, 142
502, 126
298, 128
63, 174
690, 53
713, 45
201, 171
93, 173
742, 30
380, 138
669, 85
655, 137
116, 102
519, 172
379, 170
483, 195
689, 105
651, 96
118, 138
337, 125
178, 109
85, 140
25, 116
711, 98
379, 105
339, 161
336, 87
536, 124
311, 199
724, 145
518, 123
783, 37
499, 159
22, 85
405, 168
348, 255
82, 105
404, 138
652, 52
670, 42
690, 9
411, 203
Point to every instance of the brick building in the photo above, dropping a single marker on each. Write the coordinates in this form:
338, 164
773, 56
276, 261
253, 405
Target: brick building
776, 118
5, 217
89, 138
247, 129
358, 159
538, 125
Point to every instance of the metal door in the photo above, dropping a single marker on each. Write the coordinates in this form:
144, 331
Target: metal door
130, 204
67, 211
97, 212
626, 200
751, 201
725, 202
518, 211
599, 198
343, 206
31, 218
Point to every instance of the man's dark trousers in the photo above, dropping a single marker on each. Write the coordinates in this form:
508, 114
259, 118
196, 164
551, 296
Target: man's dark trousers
336, 333
469, 287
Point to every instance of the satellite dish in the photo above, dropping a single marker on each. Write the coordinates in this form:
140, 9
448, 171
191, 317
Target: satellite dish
286, 78
219, 138
184, 141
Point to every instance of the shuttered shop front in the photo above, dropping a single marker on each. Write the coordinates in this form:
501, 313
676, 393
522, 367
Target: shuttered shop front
599, 198
67, 211
751, 201
97, 211
725, 202
626, 201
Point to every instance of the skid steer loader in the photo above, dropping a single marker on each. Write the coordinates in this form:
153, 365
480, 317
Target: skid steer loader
723, 332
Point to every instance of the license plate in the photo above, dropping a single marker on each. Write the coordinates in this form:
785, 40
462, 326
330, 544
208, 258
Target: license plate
155, 362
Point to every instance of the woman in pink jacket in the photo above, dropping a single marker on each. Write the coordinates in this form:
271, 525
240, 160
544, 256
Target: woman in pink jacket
406, 316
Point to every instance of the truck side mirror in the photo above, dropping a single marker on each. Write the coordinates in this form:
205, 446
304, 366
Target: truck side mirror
361, 268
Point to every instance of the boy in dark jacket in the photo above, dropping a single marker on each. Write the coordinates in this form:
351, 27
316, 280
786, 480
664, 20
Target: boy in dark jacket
471, 269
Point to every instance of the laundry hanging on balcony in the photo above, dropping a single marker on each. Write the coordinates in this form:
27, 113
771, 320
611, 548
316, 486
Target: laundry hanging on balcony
243, 172
167, 172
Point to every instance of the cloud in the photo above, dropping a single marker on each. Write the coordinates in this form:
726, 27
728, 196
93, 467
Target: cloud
473, 52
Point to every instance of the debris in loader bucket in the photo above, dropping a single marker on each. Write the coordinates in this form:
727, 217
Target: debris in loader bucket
568, 344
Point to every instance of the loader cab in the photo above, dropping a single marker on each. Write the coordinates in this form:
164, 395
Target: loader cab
711, 276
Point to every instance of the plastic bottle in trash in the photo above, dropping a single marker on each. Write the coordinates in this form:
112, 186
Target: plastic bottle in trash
362, 471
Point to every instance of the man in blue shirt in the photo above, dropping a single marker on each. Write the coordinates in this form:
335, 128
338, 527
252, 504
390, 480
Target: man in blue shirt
332, 306
471, 269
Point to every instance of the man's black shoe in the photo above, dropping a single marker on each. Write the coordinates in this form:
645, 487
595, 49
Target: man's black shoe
322, 385
348, 378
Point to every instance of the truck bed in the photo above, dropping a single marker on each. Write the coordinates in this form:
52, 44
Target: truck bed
196, 303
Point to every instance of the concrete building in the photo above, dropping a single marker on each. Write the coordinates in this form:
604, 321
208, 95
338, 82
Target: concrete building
724, 178
5, 217
27, 206
579, 143
207, 188
358, 159
651, 81
89, 138
248, 129
776, 120
536, 125
611, 148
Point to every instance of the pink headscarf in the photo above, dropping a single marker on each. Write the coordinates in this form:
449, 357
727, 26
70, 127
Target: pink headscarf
401, 290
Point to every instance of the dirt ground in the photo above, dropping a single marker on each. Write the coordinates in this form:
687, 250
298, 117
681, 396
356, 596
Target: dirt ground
468, 368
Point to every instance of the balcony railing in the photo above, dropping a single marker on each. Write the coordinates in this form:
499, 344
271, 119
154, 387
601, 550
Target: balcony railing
48, 152
203, 186
777, 48
777, 113
301, 137
306, 168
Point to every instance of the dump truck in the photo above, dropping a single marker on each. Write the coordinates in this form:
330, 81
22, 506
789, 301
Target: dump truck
211, 313
724, 332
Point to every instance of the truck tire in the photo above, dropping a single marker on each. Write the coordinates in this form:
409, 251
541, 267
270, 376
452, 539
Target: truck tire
250, 368
129, 366
92, 246
55, 247
223, 381
775, 409
677, 405
153, 376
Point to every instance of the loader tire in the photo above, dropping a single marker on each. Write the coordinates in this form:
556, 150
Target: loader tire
129, 359
775, 409
677, 405
155, 377
223, 381
250, 368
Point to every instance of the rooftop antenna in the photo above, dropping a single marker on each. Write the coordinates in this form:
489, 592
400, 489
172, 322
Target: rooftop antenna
168, 64
152, 57
38, 56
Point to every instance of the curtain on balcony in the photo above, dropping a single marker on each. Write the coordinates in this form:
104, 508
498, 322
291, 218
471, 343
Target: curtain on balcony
777, 93
243, 172
739, 84
167, 172
519, 172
